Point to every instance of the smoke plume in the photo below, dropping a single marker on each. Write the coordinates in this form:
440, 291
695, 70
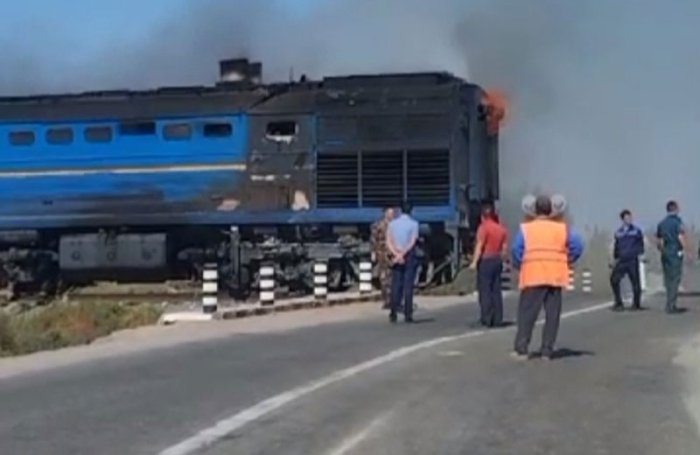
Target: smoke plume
603, 92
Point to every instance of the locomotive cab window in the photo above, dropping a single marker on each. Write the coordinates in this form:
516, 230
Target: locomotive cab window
177, 132
98, 134
137, 128
283, 131
220, 129
21, 138
59, 136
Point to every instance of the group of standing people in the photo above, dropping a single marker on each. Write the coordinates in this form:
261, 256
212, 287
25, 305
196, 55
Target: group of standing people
394, 244
629, 247
544, 250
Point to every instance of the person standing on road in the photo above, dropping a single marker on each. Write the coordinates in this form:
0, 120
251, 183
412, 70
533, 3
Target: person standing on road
491, 249
628, 247
543, 250
382, 255
402, 235
670, 235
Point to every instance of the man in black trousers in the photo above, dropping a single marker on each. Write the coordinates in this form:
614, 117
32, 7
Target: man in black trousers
629, 246
491, 249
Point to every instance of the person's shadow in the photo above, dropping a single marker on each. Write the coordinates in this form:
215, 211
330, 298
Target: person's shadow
564, 353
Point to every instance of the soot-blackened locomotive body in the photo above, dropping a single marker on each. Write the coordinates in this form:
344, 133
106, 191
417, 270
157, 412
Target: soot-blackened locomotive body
151, 185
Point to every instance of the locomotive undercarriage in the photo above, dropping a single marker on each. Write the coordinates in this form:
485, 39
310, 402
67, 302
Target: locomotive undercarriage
47, 262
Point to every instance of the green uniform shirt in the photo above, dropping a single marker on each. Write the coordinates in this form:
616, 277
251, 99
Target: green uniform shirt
668, 230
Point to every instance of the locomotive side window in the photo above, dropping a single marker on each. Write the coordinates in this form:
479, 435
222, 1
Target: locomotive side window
281, 131
22, 138
137, 128
59, 136
218, 129
177, 131
98, 134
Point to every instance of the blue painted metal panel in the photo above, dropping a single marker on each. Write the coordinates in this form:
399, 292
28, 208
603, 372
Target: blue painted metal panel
39, 198
52, 196
148, 150
211, 217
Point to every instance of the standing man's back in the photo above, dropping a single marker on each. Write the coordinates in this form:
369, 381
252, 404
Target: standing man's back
491, 247
542, 250
402, 236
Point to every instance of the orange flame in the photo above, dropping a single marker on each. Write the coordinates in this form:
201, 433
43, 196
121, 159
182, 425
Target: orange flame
496, 110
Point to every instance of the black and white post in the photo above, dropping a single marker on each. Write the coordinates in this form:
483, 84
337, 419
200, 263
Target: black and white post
571, 286
586, 281
506, 278
210, 288
365, 277
320, 280
267, 285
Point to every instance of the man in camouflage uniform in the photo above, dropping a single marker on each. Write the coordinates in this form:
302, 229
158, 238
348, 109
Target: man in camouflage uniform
381, 254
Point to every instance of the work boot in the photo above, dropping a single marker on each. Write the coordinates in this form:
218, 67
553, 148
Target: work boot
618, 307
519, 356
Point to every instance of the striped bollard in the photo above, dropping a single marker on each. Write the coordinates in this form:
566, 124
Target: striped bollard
586, 281
267, 285
506, 278
572, 281
320, 280
365, 277
210, 288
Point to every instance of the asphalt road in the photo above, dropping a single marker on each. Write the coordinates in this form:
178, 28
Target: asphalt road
616, 390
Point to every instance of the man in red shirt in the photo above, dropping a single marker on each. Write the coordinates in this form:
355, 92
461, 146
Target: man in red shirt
491, 249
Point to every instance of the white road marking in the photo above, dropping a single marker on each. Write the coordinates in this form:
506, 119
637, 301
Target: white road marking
354, 440
450, 353
225, 427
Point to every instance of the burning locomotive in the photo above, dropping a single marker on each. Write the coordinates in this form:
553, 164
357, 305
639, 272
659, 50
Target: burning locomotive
151, 185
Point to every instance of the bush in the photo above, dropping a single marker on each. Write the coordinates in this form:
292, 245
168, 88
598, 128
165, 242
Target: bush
68, 324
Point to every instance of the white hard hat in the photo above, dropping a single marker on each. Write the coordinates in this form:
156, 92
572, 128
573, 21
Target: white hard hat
558, 204
528, 205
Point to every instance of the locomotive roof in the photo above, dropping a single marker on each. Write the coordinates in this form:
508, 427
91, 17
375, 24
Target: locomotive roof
328, 94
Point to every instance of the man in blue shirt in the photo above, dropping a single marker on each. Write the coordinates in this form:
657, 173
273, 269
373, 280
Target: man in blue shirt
670, 235
402, 235
629, 245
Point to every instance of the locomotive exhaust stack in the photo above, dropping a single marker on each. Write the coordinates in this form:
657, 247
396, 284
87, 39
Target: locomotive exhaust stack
240, 70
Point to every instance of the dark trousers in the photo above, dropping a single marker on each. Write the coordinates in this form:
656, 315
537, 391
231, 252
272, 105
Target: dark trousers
488, 277
403, 277
531, 301
673, 271
629, 267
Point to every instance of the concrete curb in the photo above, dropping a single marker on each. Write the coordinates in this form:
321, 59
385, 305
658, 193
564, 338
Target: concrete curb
185, 316
284, 307
252, 310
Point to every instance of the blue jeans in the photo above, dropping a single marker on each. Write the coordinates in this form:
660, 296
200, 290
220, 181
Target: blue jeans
403, 277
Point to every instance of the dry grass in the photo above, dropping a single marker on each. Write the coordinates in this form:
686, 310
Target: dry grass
68, 324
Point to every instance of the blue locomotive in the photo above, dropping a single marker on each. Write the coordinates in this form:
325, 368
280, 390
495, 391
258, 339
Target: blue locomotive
150, 185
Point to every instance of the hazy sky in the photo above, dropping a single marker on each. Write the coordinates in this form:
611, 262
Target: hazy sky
604, 92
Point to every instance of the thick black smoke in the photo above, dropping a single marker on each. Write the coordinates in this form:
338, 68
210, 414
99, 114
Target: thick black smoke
603, 92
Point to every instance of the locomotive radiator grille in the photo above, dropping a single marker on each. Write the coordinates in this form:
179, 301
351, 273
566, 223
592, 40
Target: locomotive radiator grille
379, 178
382, 178
337, 180
428, 177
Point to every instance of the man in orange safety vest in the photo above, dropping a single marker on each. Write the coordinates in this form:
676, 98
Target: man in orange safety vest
542, 250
